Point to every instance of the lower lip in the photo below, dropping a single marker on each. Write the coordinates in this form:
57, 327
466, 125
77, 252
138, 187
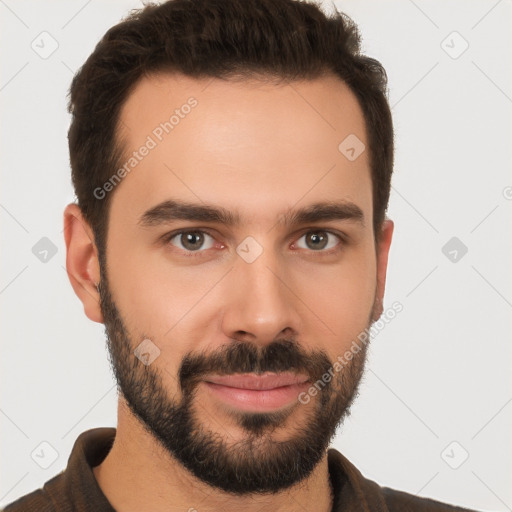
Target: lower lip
257, 400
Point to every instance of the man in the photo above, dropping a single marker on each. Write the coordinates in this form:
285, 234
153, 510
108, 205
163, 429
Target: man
232, 163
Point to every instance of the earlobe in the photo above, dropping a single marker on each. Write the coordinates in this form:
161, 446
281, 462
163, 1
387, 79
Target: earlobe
383, 245
82, 262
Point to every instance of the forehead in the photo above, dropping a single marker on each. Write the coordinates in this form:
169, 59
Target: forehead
251, 147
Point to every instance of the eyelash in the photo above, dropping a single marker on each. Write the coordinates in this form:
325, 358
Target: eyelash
199, 253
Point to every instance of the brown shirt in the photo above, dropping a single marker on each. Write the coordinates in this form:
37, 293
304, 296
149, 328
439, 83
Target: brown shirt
75, 489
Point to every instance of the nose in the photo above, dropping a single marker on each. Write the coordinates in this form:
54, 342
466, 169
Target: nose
260, 303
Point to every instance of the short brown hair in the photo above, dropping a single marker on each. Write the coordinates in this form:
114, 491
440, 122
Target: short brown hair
279, 39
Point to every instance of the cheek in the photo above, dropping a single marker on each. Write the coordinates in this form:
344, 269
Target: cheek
160, 300
341, 296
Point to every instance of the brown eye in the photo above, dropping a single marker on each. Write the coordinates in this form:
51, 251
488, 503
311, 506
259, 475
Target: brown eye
192, 241
318, 240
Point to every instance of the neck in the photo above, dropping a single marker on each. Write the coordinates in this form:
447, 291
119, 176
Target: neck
139, 474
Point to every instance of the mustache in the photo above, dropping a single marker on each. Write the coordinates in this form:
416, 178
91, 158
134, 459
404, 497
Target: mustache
246, 357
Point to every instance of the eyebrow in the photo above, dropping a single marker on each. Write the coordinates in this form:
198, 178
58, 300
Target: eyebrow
170, 210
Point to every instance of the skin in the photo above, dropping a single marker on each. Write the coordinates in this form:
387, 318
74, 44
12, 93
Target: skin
259, 150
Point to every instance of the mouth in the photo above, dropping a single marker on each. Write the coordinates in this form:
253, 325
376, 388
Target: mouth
251, 392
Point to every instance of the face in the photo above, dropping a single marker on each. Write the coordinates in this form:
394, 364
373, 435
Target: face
240, 267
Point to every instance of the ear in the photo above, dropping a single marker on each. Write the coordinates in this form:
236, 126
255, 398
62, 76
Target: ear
82, 263
383, 244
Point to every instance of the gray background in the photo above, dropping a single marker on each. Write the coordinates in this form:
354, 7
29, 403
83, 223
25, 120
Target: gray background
438, 383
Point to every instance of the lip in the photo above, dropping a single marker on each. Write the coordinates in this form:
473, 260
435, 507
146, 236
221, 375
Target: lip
261, 382
253, 392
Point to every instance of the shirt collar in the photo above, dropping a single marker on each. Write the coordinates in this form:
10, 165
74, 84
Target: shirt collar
351, 491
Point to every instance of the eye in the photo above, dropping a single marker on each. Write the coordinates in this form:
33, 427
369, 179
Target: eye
318, 240
191, 241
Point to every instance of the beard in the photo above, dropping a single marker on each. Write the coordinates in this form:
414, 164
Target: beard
255, 463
